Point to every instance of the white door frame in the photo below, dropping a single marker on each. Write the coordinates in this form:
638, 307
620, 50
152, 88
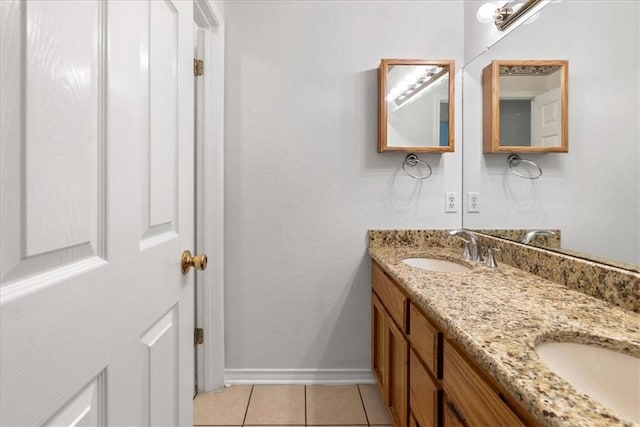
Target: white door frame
208, 16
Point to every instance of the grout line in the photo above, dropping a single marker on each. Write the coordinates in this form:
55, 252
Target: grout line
364, 408
248, 403
306, 420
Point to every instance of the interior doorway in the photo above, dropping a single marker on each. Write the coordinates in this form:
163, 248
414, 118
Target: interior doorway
198, 98
209, 200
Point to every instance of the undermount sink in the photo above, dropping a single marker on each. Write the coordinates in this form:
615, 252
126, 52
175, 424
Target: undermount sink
607, 376
433, 264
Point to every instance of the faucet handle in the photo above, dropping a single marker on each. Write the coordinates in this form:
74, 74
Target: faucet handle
479, 257
466, 252
491, 262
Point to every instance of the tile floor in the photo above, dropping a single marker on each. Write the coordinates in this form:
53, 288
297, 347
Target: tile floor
291, 405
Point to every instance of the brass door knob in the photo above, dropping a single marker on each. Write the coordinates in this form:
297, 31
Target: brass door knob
199, 262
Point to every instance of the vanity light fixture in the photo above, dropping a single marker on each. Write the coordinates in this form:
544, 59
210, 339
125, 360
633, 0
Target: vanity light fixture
487, 13
504, 15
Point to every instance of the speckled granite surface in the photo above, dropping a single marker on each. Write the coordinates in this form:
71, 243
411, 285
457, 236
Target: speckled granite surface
553, 242
517, 235
614, 285
499, 315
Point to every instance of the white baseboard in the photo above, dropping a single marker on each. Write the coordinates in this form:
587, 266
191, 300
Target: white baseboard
298, 376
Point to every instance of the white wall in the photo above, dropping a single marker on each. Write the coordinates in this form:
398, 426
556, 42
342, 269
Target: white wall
303, 179
591, 193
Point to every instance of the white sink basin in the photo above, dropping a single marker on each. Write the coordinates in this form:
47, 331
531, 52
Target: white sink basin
432, 264
607, 376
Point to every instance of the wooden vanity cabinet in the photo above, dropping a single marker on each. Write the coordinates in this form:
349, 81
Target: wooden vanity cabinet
452, 417
378, 331
473, 398
389, 348
426, 340
425, 379
425, 369
425, 394
391, 297
397, 352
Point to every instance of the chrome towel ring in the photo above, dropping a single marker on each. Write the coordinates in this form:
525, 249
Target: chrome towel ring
514, 160
412, 161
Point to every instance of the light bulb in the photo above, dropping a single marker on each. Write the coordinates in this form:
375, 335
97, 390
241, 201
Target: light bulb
393, 94
486, 13
418, 72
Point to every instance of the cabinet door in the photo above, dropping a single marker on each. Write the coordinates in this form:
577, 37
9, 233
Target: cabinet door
378, 329
423, 393
397, 354
474, 398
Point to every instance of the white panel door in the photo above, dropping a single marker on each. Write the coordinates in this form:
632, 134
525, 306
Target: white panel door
546, 119
96, 203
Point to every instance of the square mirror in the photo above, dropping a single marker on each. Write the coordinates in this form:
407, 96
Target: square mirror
415, 105
525, 106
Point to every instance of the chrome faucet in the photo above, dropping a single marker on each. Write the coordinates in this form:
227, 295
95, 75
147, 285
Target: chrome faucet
532, 235
475, 253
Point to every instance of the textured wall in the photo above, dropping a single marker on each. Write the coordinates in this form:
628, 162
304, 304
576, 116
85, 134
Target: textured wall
304, 182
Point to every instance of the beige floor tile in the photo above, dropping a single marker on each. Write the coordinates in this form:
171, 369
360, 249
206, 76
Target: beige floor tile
276, 404
334, 405
377, 413
227, 407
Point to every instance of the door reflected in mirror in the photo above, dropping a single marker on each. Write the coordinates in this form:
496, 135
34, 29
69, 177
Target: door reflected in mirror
525, 106
415, 106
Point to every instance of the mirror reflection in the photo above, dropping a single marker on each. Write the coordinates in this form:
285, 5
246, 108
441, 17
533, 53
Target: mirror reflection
525, 106
415, 106
591, 195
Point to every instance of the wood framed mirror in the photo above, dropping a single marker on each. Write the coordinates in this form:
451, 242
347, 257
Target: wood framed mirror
416, 105
525, 106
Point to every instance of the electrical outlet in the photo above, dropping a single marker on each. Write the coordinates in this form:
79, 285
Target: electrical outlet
473, 201
451, 202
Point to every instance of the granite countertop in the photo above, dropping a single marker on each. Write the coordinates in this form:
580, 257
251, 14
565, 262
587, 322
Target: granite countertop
499, 315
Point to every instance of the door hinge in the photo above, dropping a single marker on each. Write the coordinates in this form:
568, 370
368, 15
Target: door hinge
198, 67
198, 336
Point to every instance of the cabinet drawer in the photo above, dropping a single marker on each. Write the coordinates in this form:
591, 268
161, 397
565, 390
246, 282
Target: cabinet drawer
476, 401
423, 394
391, 297
426, 340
